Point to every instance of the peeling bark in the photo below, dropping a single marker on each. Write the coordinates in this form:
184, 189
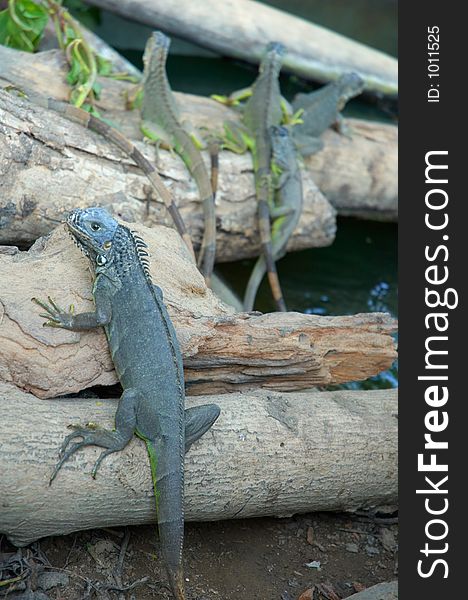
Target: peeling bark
222, 351
268, 454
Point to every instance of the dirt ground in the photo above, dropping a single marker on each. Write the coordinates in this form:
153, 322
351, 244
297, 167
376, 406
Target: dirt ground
251, 559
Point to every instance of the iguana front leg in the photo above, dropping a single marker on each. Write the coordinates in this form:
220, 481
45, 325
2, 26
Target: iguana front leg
156, 135
235, 98
57, 317
307, 145
237, 138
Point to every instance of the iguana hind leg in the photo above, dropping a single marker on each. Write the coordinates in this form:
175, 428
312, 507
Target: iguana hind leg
197, 422
112, 440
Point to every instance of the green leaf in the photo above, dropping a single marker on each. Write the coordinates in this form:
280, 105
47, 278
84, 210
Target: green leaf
3, 27
73, 75
97, 89
22, 24
92, 110
104, 66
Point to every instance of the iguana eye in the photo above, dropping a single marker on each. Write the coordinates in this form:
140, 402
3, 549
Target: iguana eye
95, 226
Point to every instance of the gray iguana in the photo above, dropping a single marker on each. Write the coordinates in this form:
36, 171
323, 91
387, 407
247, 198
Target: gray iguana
148, 362
287, 208
321, 110
263, 109
161, 122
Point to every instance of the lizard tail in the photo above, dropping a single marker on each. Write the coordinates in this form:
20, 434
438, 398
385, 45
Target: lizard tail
176, 581
149, 170
267, 251
213, 149
87, 120
169, 509
206, 257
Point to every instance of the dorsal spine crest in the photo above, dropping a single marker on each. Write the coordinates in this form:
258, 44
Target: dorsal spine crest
141, 248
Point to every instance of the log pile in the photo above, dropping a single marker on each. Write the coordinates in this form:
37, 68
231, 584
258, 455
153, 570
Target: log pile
276, 450
357, 175
50, 166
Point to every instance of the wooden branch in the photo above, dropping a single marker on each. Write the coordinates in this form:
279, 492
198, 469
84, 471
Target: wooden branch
222, 351
268, 454
358, 175
243, 28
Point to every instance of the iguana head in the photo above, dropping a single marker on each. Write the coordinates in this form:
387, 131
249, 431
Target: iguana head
274, 54
350, 85
157, 47
93, 229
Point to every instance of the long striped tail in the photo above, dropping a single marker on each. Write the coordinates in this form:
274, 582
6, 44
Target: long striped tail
213, 149
169, 508
264, 225
206, 257
77, 115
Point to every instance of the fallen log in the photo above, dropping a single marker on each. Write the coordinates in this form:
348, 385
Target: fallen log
50, 165
223, 351
381, 591
243, 28
358, 175
268, 454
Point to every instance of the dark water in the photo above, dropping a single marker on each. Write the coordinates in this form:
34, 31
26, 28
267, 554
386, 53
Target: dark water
358, 273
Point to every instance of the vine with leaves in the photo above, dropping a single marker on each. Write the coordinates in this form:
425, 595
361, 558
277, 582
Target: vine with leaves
22, 25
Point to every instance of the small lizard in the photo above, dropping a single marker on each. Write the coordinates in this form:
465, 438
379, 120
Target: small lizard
321, 110
287, 209
148, 361
81, 117
264, 108
161, 122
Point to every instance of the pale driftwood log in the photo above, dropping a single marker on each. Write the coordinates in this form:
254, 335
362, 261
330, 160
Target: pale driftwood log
243, 28
268, 454
358, 175
381, 591
222, 351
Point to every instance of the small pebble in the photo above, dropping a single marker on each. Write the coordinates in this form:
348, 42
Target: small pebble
314, 564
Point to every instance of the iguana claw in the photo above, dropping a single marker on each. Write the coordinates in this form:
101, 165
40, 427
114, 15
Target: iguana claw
56, 317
